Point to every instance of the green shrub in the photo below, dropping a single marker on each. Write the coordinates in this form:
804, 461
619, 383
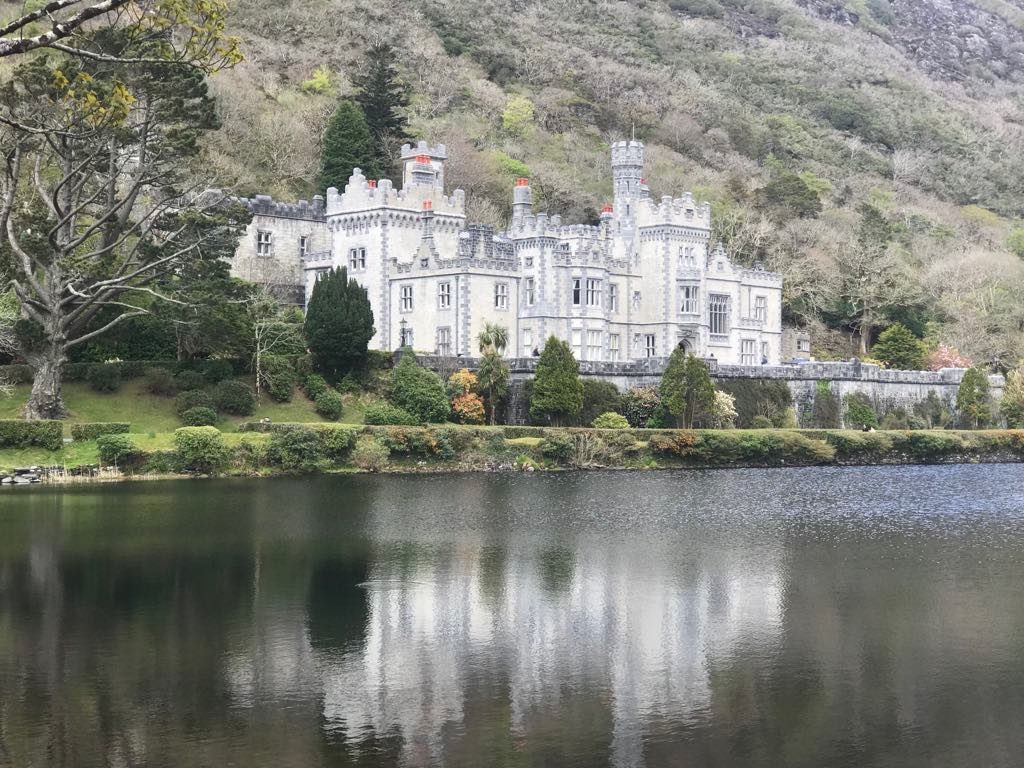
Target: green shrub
417, 441
370, 454
611, 421
329, 405
418, 391
103, 377
15, 433
929, 444
515, 432
201, 449
826, 411
193, 398
349, 385
314, 384
116, 448
199, 417
335, 442
599, 397
160, 381
768, 398
297, 449
557, 446
385, 413
861, 446
860, 411
216, 371
280, 377
235, 397
639, 406
187, 380
761, 422
94, 430
677, 443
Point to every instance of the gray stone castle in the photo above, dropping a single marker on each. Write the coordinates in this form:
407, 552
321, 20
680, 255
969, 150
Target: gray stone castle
636, 286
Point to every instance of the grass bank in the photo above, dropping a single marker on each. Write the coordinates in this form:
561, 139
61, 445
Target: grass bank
261, 449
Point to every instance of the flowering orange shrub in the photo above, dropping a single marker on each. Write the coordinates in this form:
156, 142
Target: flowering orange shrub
468, 409
462, 382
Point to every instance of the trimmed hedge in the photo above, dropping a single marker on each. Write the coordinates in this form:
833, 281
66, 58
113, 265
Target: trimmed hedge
201, 449
15, 433
93, 430
381, 414
115, 448
193, 398
235, 397
199, 417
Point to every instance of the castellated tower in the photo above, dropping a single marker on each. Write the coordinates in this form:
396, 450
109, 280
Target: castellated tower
627, 175
423, 165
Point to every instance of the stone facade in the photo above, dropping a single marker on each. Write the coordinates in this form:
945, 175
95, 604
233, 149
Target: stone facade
641, 283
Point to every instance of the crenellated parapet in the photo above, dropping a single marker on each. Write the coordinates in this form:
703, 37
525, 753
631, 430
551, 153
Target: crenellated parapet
678, 211
361, 194
265, 205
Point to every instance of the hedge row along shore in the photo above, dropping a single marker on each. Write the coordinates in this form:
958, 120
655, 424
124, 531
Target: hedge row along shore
261, 449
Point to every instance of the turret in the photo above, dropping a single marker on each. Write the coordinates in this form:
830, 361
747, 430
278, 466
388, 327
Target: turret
522, 200
423, 165
627, 175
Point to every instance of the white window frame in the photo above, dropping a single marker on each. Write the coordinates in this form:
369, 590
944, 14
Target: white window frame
594, 346
501, 296
761, 308
356, 259
405, 294
593, 292
577, 291
719, 311
530, 291
764, 349
444, 295
303, 246
748, 351
527, 341
577, 343
650, 345
613, 347
264, 242
690, 303
444, 341
613, 297
686, 256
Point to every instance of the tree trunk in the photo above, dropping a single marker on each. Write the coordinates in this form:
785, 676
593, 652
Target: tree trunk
46, 400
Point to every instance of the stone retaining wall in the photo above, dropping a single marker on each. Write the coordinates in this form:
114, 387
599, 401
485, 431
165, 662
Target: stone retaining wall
888, 389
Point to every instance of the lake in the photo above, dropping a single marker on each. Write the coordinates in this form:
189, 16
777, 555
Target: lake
803, 617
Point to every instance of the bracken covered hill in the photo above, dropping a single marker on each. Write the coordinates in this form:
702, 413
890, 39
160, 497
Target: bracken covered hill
904, 117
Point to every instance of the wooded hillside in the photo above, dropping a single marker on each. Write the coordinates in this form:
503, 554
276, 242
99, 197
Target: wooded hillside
871, 150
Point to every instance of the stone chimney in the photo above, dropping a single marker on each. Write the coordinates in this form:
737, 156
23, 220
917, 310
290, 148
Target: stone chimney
522, 200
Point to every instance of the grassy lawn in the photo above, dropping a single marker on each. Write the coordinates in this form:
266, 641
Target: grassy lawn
151, 413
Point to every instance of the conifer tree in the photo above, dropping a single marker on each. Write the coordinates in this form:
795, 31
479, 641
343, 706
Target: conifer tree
899, 348
339, 324
1012, 404
347, 145
557, 390
686, 389
972, 399
383, 98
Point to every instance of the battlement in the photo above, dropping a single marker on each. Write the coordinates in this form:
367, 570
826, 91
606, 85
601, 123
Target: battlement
265, 205
627, 153
362, 194
436, 152
683, 211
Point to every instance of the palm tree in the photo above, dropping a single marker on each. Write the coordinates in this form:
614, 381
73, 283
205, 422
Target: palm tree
492, 378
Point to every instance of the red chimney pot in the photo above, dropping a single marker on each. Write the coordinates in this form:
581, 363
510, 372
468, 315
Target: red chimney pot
607, 208
371, 183
428, 205
522, 182
423, 159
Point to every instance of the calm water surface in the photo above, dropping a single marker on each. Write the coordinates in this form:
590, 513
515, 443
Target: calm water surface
811, 617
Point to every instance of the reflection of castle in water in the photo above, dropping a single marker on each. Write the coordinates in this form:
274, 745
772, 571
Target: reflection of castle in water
643, 634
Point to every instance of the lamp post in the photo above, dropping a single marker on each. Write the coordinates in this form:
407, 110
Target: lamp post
404, 326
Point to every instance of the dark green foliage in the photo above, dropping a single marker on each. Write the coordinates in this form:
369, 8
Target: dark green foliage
933, 412
826, 412
686, 390
15, 433
94, 430
235, 397
898, 348
280, 377
189, 379
761, 422
758, 397
383, 99
639, 406
201, 449
557, 446
329, 404
315, 384
335, 442
381, 414
788, 196
860, 411
599, 397
199, 417
16, 374
339, 324
140, 338
104, 378
193, 398
929, 444
216, 371
557, 395
972, 399
297, 449
419, 441
347, 145
418, 391
116, 449
160, 381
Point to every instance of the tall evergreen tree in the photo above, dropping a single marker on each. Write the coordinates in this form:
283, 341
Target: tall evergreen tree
972, 399
686, 389
339, 323
898, 347
383, 97
347, 145
557, 390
